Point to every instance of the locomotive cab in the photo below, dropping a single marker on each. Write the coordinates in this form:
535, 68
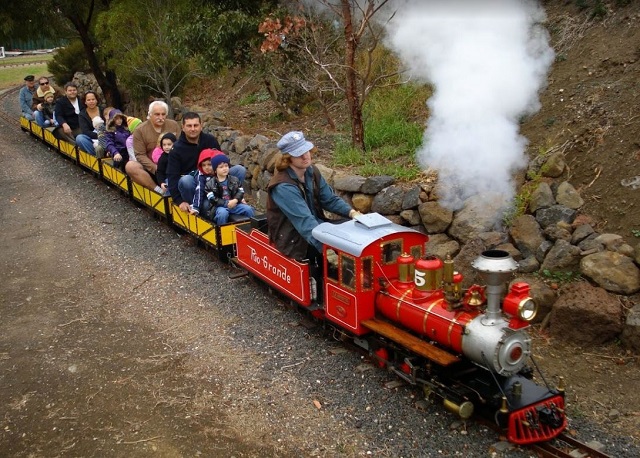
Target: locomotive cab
358, 254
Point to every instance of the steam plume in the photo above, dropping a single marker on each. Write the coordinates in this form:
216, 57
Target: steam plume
487, 60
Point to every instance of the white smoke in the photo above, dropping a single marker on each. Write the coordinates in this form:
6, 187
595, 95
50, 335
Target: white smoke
486, 60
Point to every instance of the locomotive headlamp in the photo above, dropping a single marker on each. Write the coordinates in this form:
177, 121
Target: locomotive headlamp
519, 305
527, 309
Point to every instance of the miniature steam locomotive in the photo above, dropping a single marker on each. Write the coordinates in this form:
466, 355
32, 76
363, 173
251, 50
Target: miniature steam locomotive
410, 312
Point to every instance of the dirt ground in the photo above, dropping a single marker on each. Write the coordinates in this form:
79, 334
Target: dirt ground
77, 377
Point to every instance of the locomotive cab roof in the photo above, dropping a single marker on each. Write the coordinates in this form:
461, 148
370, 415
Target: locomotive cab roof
355, 235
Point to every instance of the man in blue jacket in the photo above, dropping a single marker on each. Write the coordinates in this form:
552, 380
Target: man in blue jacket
26, 96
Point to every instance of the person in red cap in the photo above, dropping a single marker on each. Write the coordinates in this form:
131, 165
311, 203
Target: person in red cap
222, 192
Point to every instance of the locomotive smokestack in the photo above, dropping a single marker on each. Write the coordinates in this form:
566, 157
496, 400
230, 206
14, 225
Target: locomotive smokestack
495, 267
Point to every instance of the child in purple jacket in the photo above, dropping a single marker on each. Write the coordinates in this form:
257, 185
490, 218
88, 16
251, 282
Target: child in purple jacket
116, 138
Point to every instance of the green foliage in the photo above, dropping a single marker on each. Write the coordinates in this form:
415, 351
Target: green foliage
518, 207
67, 61
255, 97
143, 53
220, 35
396, 115
635, 232
394, 124
597, 8
560, 277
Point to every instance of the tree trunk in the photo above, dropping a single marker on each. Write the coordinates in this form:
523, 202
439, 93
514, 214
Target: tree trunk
353, 99
108, 82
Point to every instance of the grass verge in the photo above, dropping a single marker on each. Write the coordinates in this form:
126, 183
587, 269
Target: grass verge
394, 125
14, 69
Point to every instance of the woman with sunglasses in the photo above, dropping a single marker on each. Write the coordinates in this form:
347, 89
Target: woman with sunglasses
44, 86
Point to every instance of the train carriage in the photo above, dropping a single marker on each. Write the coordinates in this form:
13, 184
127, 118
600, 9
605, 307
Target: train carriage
68, 149
150, 199
115, 176
89, 162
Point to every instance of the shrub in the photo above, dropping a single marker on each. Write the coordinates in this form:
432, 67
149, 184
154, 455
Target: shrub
67, 61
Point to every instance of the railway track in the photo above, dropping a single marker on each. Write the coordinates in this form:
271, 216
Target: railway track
566, 446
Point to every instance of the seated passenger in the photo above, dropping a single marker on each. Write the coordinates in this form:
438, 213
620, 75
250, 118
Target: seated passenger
145, 136
116, 138
38, 101
297, 198
92, 109
66, 111
166, 144
26, 97
132, 124
224, 193
46, 114
183, 160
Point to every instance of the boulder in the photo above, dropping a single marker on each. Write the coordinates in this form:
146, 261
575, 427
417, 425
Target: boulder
374, 185
526, 234
612, 271
412, 217
528, 265
388, 201
562, 257
348, 183
434, 217
557, 232
464, 259
362, 202
555, 214
554, 166
586, 314
478, 215
241, 144
442, 245
411, 198
631, 331
580, 233
541, 197
568, 196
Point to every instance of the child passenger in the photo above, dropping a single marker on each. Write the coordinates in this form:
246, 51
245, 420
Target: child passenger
116, 138
224, 193
48, 108
165, 143
100, 143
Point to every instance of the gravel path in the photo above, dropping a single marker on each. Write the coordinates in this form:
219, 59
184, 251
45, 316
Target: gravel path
236, 371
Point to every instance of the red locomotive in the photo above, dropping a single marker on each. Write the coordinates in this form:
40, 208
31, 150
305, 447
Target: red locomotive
410, 312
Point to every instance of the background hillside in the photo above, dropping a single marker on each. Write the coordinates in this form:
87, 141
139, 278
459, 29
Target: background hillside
589, 110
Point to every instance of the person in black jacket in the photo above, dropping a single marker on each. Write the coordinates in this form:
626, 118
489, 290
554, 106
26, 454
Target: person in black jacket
67, 110
183, 160
86, 117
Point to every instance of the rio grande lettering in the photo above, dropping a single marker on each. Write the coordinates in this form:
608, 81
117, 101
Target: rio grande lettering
279, 271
